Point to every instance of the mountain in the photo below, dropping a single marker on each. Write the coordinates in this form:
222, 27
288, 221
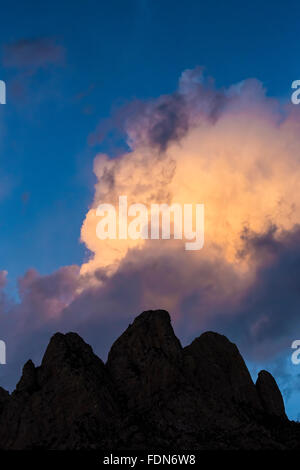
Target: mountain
151, 393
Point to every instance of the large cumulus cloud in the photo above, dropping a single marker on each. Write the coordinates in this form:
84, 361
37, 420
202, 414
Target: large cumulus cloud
234, 150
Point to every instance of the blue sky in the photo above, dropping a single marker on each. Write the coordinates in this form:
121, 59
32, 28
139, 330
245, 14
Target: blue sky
109, 53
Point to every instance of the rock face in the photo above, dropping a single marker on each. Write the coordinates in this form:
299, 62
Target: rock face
215, 365
151, 393
67, 402
4, 398
269, 394
146, 360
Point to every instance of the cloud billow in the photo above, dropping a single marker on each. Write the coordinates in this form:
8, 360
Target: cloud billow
237, 152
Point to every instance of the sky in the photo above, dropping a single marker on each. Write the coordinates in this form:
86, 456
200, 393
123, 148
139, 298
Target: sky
161, 101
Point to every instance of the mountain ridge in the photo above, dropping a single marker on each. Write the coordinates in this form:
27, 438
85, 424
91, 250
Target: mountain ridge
151, 393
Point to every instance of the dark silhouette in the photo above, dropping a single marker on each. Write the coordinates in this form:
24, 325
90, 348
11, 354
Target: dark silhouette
151, 393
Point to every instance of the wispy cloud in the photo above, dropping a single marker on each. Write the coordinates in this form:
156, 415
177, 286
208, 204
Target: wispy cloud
32, 54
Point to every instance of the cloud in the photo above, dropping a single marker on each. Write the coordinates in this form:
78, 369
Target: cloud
26, 60
33, 53
236, 151
3, 276
267, 318
230, 150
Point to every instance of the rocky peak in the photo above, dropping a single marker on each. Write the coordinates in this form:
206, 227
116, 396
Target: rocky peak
270, 394
67, 402
215, 365
67, 349
152, 393
146, 358
28, 381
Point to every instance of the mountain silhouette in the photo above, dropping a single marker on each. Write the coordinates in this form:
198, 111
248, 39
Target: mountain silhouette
151, 393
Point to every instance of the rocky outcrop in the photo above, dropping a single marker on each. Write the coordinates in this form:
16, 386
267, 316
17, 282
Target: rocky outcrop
269, 394
151, 393
4, 398
146, 360
67, 402
216, 367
